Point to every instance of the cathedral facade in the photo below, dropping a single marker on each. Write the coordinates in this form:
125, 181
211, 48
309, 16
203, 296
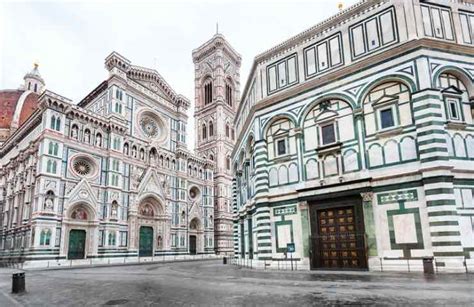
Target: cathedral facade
355, 143
107, 179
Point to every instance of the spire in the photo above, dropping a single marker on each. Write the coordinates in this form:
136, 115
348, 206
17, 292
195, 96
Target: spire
33, 80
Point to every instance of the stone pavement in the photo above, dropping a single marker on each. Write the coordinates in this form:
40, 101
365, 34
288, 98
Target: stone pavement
210, 283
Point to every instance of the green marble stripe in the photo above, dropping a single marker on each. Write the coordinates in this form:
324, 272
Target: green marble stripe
445, 233
264, 237
441, 202
264, 225
442, 213
420, 117
430, 123
430, 132
424, 97
263, 218
444, 223
439, 191
263, 231
448, 254
427, 106
438, 179
431, 141
264, 244
433, 149
446, 243
436, 158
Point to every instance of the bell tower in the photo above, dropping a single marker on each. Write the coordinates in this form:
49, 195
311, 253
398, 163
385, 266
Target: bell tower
217, 94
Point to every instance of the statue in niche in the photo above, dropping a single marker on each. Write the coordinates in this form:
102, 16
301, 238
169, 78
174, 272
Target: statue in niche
114, 210
98, 140
49, 205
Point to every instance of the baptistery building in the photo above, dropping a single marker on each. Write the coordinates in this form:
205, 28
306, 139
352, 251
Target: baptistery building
355, 143
107, 178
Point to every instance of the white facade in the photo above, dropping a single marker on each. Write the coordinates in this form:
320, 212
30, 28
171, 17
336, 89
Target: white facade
108, 178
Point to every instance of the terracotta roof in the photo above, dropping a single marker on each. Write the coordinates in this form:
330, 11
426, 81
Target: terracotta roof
8, 102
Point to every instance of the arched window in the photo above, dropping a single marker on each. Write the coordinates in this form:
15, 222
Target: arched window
53, 122
211, 129
228, 94
208, 93
227, 130
51, 166
53, 148
387, 101
211, 157
58, 124
45, 237
36, 88
173, 165
125, 149
454, 94
142, 154
204, 131
134, 151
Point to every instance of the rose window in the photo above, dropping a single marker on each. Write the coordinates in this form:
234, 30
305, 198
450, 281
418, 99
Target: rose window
149, 126
83, 166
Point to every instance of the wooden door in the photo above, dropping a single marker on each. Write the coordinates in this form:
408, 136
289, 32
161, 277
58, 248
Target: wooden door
339, 239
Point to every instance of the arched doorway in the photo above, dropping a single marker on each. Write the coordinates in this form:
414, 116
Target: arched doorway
150, 226
80, 228
194, 236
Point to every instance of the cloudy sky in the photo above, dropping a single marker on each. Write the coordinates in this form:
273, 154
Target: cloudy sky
70, 39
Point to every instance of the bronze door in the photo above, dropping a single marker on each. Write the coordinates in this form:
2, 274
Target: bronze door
338, 242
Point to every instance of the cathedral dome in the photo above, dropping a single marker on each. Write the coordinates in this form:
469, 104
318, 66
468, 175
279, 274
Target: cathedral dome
17, 105
15, 108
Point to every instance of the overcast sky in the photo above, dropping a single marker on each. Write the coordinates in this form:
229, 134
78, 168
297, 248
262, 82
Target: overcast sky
70, 39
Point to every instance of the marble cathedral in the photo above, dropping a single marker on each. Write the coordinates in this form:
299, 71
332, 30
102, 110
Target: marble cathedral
351, 147
355, 143
110, 178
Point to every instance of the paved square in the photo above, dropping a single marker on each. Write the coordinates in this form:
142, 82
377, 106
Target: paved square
205, 283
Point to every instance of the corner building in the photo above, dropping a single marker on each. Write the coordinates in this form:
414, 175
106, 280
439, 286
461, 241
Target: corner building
355, 142
108, 179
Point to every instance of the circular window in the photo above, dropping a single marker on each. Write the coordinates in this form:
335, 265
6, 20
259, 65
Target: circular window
84, 166
152, 125
194, 193
149, 126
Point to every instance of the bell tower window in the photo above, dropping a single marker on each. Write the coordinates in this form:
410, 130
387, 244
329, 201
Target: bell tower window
208, 93
228, 94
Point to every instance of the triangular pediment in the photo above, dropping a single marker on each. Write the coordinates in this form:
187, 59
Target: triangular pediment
151, 183
82, 192
385, 99
452, 90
